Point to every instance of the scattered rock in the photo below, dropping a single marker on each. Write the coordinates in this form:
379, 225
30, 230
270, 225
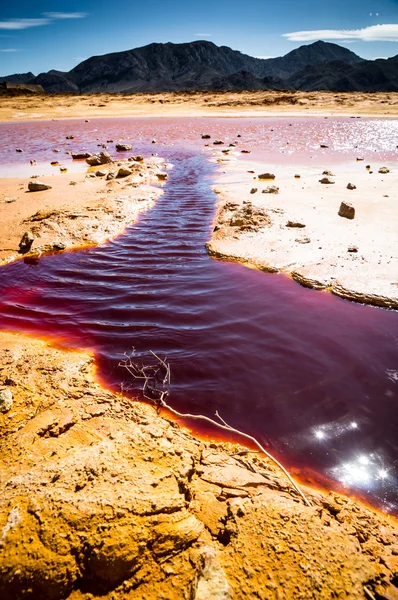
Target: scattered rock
367, 167
33, 162
26, 242
110, 176
206, 136
384, 170
102, 158
101, 173
266, 176
358, 159
18, 150
38, 186
271, 189
123, 147
137, 158
303, 240
6, 400
8, 200
324, 146
326, 180
352, 249
54, 163
63, 169
351, 186
218, 142
253, 190
295, 224
154, 142
80, 155
346, 210
124, 172
162, 176
70, 137
245, 151
297, 176
328, 174
56, 150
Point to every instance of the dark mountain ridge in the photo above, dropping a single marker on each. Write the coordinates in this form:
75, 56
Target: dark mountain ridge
201, 65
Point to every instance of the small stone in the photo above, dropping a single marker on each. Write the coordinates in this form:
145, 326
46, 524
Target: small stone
324, 146
59, 246
110, 176
70, 137
154, 141
137, 158
54, 163
80, 155
346, 210
124, 172
245, 151
18, 149
367, 167
32, 162
358, 159
26, 242
206, 136
38, 186
162, 176
253, 190
56, 150
352, 249
295, 224
297, 176
266, 176
101, 173
218, 142
271, 189
63, 169
351, 186
328, 174
303, 240
384, 170
102, 158
122, 147
73, 183
326, 180
6, 400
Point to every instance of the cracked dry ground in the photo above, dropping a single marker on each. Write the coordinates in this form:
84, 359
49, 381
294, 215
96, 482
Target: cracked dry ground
103, 497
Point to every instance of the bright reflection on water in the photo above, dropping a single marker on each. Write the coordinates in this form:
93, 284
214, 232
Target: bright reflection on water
312, 376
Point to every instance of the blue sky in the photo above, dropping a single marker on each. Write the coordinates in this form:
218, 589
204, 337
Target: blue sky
37, 36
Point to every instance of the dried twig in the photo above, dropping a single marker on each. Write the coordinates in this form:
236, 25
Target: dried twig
156, 388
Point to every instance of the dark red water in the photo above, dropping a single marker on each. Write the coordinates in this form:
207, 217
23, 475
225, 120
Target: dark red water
312, 376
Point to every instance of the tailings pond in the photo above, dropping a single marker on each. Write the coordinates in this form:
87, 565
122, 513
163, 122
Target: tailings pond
313, 377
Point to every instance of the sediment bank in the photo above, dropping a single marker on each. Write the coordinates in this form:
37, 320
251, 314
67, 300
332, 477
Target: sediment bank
102, 496
290, 224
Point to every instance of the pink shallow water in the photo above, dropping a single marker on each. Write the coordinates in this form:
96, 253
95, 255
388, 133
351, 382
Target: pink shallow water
314, 377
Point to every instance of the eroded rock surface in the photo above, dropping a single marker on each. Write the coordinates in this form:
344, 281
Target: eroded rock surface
102, 497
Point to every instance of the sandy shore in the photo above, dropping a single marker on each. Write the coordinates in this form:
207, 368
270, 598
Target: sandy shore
82, 209
103, 497
200, 104
298, 230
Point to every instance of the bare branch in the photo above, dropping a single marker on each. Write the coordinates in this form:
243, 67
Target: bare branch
156, 388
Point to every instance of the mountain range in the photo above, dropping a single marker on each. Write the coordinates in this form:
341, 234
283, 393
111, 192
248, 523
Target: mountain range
201, 65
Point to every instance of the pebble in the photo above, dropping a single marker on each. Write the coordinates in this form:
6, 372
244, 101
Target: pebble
6, 400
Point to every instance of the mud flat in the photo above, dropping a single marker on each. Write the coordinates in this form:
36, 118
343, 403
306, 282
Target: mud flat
291, 225
104, 497
80, 209
215, 104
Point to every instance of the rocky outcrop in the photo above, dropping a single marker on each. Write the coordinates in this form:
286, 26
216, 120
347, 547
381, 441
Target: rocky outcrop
105, 498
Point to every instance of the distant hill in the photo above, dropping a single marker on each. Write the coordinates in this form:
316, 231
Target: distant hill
202, 65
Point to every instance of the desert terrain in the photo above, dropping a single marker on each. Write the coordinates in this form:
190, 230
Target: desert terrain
108, 498
199, 104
